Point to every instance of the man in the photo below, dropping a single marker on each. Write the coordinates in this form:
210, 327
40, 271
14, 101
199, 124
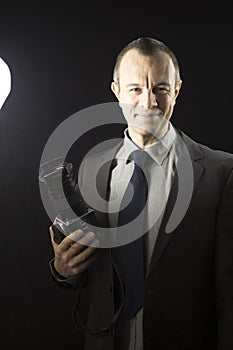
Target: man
188, 282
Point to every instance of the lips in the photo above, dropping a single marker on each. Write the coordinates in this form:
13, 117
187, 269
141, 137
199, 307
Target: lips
147, 116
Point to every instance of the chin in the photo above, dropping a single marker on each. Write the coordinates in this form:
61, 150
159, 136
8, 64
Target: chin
157, 131
143, 130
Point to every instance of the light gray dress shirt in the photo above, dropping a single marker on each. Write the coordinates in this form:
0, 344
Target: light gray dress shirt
160, 171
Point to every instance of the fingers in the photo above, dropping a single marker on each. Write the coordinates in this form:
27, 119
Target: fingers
76, 267
75, 242
72, 238
84, 255
75, 252
67, 241
80, 267
82, 246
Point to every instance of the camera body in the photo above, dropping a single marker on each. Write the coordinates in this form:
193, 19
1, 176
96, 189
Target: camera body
72, 212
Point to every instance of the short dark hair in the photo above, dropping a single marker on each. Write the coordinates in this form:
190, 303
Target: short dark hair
148, 47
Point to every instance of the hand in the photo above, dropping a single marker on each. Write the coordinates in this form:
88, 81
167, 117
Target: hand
72, 255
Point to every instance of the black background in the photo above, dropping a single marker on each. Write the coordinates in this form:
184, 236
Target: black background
61, 58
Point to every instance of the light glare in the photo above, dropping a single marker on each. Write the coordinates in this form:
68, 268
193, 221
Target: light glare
5, 81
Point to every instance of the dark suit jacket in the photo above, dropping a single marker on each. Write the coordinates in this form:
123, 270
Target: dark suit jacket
189, 288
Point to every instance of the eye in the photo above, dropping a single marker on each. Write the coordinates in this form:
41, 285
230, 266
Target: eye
161, 90
135, 90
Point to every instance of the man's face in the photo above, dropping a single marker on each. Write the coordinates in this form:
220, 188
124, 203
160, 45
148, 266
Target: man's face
147, 92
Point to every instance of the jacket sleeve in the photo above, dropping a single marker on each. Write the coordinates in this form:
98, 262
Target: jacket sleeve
71, 282
224, 267
75, 281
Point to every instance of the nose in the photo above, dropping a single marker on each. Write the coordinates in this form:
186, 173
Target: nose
148, 100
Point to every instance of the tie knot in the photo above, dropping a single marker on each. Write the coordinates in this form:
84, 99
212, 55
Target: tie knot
139, 157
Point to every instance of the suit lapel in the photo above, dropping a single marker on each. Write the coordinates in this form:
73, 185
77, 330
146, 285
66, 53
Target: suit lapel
163, 237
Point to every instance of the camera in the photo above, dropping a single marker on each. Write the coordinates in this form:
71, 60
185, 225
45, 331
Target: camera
71, 211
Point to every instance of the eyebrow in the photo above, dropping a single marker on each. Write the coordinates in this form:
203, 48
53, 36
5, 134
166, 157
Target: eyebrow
164, 83
137, 84
132, 84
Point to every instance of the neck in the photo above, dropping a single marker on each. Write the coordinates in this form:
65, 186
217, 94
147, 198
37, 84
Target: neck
145, 140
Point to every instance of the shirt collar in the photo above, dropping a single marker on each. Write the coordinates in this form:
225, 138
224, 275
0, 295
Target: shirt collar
158, 151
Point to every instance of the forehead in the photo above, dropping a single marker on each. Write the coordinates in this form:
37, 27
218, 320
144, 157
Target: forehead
135, 65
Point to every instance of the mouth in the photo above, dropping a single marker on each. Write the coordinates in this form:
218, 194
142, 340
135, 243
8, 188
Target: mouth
148, 116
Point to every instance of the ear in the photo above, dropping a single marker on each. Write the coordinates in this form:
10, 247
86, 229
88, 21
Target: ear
115, 89
177, 89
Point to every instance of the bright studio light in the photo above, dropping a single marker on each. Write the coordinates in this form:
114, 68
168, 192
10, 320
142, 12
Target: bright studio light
5, 81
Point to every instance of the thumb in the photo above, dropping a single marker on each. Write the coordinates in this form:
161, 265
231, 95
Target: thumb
52, 235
